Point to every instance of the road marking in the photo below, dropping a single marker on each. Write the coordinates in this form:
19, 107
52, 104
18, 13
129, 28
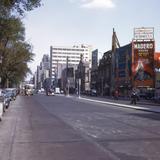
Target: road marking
122, 105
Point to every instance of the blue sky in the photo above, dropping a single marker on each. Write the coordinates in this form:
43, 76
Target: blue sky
69, 22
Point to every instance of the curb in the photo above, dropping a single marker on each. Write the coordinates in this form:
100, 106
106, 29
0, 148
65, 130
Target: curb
123, 105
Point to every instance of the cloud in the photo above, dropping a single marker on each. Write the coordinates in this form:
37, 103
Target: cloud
99, 4
95, 3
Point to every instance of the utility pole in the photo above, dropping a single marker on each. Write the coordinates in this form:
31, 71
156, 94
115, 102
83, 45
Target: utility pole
68, 83
57, 75
67, 88
79, 87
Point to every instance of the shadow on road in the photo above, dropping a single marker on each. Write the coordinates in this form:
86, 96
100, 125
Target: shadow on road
149, 115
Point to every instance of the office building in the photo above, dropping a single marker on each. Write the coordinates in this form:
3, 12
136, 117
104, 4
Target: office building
60, 54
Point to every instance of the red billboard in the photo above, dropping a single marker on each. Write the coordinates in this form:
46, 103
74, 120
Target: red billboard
143, 63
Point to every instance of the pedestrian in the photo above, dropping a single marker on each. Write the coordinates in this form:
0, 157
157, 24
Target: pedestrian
133, 97
116, 94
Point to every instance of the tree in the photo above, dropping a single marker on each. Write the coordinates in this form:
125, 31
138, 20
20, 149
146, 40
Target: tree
11, 30
14, 67
16, 53
18, 6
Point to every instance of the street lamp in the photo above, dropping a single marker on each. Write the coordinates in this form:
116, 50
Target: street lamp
68, 85
79, 83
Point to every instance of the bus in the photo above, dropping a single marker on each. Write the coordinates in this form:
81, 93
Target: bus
29, 89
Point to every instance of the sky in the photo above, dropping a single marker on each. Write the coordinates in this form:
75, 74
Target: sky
70, 22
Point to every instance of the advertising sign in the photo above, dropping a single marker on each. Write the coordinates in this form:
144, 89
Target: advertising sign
143, 63
145, 33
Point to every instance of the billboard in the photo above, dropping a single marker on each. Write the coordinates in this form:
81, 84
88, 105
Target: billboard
143, 63
144, 33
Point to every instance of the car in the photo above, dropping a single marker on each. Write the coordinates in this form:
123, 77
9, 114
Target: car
93, 92
7, 99
50, 92
62, 92
2, 107
11, 92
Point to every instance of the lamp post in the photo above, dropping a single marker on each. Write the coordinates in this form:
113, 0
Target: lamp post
79, 83
68, 83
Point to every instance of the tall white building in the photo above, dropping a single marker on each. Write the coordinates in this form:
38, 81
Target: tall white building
59, 55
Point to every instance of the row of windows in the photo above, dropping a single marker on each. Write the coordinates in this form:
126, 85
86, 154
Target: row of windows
66, 57
69, 57
65, 53
68, 53
64, 60
67, 49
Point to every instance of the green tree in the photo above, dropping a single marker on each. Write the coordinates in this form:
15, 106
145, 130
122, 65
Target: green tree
18, 6
14, 67
16, 53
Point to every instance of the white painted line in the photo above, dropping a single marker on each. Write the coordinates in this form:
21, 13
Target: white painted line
122, 105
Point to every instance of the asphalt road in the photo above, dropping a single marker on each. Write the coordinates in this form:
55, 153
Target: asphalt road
66, 128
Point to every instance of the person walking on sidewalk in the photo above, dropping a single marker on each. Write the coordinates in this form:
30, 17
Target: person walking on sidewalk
116, 95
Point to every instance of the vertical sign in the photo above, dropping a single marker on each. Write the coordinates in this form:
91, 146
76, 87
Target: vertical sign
143, 63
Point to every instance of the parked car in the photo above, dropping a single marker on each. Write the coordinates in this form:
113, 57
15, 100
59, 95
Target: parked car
2, 109
11, 92
7, 99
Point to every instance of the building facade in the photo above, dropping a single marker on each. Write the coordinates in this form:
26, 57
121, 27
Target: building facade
104, 80
134, 67
60, 54
42, 72
94, 69
83, 76
123, 69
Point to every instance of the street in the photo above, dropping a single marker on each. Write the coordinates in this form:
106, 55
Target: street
43, 127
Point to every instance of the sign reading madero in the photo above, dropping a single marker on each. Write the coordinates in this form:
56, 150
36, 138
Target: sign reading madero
143, 57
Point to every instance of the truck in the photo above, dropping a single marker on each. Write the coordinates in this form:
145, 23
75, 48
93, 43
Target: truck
57, 90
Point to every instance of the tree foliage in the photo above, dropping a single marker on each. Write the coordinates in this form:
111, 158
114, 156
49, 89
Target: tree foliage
15, 52
19, 6
11, 30
15, 59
